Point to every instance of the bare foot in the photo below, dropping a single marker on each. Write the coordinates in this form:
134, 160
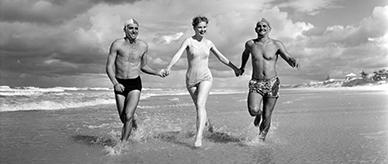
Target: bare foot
198, 143
209, 126
134, 124
118, 148
262, 135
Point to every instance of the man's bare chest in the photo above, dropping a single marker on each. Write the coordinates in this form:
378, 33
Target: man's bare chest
130, 53
264, 52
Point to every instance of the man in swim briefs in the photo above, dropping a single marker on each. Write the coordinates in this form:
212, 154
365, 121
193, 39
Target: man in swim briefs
127, 57
264, 84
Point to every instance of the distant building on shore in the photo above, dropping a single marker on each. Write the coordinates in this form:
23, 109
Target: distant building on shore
350, 76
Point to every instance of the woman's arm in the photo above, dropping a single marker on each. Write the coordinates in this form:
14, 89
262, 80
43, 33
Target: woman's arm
177, 55
223, 59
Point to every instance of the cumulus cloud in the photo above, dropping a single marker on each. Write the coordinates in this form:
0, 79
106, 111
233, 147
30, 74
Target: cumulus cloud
59, 63
69, 37
80, 35
41, 11
48, 11
352, 48
167, 38
308, 6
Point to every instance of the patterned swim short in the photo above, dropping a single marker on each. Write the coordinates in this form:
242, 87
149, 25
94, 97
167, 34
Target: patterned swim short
266, 88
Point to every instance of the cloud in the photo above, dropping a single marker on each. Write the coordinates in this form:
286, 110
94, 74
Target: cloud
72, 38
343, 49
48, 11
79, 33
114, 2
352, 35
157, 61
307, 6
41, 11
59, 63
167, 38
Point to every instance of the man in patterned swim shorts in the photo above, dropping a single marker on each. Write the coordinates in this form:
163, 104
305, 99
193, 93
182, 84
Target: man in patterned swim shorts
264, 85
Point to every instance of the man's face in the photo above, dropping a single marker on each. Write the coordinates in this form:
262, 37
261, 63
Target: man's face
131, 31
262, 28
200, 28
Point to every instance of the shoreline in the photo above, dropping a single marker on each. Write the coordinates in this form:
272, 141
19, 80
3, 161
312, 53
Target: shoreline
313, 127
381, 87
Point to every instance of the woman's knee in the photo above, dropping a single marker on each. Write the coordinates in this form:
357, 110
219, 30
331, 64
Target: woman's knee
201, 103
201, 106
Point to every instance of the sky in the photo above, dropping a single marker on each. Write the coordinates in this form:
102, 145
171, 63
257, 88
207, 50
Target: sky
48, 43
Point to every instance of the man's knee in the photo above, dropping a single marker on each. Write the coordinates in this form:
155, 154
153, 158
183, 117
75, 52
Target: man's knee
254, 110
128, 117
123, 118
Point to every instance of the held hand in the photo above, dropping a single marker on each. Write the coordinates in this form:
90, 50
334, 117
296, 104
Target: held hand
294, 63
237, 72
167, 71
164, 73
241, 71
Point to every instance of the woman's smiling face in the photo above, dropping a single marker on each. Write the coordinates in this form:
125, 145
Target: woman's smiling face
200, 29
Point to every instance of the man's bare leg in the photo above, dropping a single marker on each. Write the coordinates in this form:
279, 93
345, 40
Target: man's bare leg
268, 106
120, 102
254, 100
131, 103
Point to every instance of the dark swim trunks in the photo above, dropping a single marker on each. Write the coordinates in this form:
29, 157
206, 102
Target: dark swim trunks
266, 88
129, 85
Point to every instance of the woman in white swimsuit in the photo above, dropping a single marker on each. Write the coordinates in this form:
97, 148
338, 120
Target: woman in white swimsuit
198, 77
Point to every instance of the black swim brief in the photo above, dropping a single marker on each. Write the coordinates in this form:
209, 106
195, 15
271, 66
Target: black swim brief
129, 85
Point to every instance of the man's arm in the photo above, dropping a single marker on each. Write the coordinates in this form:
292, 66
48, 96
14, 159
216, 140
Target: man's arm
144, 64
111, 62
285, 55
245, 56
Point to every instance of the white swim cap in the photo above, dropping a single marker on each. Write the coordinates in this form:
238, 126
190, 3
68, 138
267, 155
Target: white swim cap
264, 21
131, 21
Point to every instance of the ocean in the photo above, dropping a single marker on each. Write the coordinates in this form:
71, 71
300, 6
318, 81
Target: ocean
81, 125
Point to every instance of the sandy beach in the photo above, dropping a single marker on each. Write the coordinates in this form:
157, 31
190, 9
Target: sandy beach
309, 126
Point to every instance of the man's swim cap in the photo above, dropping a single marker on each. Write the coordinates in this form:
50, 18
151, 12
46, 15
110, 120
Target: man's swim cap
264, 21
130, 21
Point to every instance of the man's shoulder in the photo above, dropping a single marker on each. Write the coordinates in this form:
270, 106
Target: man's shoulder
142, 43
118, 41
250, 42
276, 42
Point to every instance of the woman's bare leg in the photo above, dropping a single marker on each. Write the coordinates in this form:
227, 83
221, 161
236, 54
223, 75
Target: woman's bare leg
200, 94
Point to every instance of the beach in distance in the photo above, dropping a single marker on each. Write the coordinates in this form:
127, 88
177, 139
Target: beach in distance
81, 125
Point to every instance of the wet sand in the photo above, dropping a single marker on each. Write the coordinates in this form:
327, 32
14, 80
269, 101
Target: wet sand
309, 126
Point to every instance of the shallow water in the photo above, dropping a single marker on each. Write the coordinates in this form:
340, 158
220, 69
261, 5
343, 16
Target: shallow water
308, 126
